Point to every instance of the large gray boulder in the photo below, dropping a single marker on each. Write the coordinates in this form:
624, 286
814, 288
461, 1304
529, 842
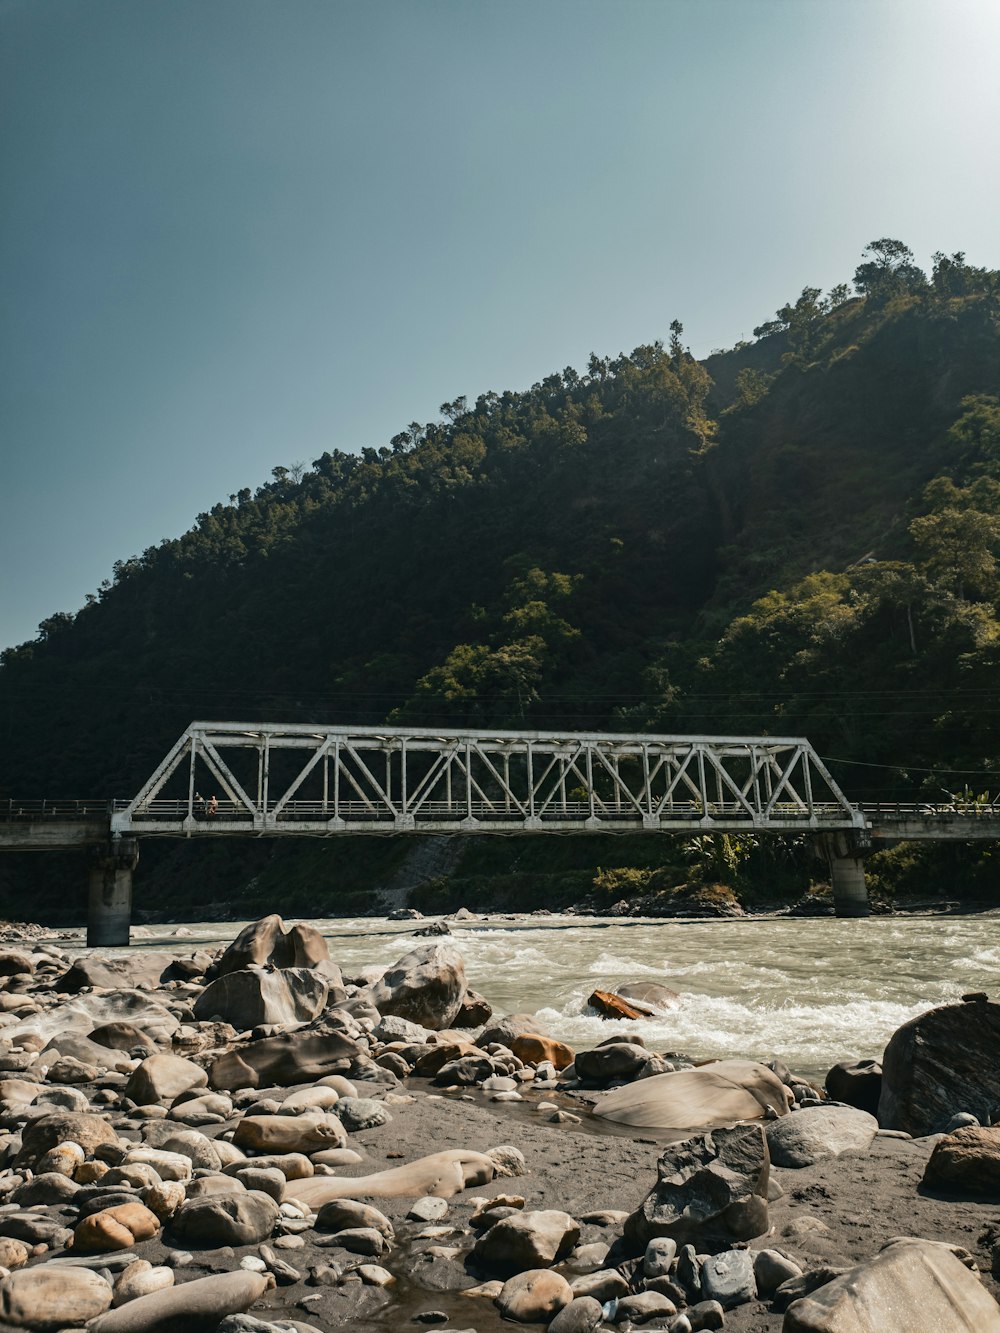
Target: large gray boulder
818, 1132
283, 1061
711, 1191
911, 1284
613, 1060
427, 986
243, 1218
939, 1063
253, 997
267, 943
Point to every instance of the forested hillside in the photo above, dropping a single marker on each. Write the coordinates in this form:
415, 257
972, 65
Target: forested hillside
799, 535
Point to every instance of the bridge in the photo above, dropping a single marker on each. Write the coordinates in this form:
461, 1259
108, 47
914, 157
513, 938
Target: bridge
228, 779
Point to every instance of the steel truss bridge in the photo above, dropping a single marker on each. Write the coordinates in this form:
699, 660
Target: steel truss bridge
305, 780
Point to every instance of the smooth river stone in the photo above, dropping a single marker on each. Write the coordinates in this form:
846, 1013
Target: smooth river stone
441, 1174
52, 1298
715, 1094
194, 1307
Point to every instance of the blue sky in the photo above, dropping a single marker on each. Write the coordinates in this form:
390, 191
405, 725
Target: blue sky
236, 234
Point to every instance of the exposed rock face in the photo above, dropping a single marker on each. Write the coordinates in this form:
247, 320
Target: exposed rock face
427, 986
266, 942
50, 1298
911, 1284
292, 1057
726, 1091
526, 1241
251, 997
939, 1063
817, 1132
711, 1191
856, 1082
967, 1160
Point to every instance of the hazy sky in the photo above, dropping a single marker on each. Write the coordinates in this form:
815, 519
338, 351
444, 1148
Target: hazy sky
237, 233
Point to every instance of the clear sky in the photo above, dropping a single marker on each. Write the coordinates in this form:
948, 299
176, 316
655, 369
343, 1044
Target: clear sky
237, 233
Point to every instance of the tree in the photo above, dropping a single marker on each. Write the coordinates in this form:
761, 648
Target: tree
887, 270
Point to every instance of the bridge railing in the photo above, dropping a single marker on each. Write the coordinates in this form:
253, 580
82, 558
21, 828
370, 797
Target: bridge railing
930, 809
15, 811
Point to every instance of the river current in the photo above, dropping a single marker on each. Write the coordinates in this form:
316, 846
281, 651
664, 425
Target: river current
812, 991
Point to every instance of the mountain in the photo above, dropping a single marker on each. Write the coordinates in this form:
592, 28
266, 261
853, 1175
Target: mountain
798, 535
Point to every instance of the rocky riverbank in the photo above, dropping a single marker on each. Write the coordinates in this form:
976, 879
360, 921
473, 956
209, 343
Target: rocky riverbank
248, 1140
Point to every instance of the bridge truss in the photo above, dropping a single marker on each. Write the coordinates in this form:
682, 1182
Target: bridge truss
303, 779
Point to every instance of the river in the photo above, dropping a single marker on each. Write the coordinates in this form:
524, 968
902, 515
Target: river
812, 991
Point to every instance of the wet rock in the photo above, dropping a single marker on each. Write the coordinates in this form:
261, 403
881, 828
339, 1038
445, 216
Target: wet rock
252, 997
921, 1283
856, 1083
161, 1078
534, 1297
651, 994
245, 1218
819, 1132
967, 1160
52, 1298
196, 1307
941, 1062
711, 1191
293, 1057
725, 1091
610, 1005
267, 942
527, 1240
427, 986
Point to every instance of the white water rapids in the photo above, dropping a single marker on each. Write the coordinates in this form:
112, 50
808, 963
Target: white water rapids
812, 991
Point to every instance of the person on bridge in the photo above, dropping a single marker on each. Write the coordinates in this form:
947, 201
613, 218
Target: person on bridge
213, 807
199, 803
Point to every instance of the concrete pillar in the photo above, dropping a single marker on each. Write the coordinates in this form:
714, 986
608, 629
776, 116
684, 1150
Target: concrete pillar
109, 909
845, 854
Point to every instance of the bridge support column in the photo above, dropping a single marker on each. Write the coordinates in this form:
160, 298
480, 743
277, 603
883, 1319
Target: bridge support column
109, 908
845, 854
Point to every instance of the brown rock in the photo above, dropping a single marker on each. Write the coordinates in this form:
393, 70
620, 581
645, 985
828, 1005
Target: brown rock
89, 1131
426, 986
435, 1059
160, 1078
289, 1133
967, 1160
533, 1049
609, 1005
292, 1057
52, 1297
266, 942
534, 1297
116, 1228
195, 1307
649, 993
941, 1062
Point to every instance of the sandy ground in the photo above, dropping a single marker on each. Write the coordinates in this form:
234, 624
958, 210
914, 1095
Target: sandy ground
837, 1212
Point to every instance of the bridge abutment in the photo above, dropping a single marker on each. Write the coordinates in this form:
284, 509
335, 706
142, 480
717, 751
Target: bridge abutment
109, 907
845, 854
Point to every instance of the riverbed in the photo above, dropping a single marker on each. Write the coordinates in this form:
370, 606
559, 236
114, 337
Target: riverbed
811, 991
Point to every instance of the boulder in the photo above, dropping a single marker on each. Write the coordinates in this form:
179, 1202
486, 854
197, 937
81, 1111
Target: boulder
941, 1062
427, 986
582, 1315
526, 1241
52, 1297
358, 1113
967, 1160
533, 1049
534, 1297
161, 1078
615, 1060
14, 964
75, 1046
729, 1278
122, 1037
441, 1174
89, 1131
711, 1191
195, 1307
291, 1058
502, 1031
140, 1278
856, 1083
267, 943
911, 1284
719, 1093
818, 1132
243, 1218
474, 1011
290, 1134
133, 969
117, 1228
650, 993
350, 1215
609, 1005
82, 1013
252, 997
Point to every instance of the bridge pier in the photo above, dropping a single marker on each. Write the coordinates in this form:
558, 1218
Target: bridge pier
845, 855
109, 907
